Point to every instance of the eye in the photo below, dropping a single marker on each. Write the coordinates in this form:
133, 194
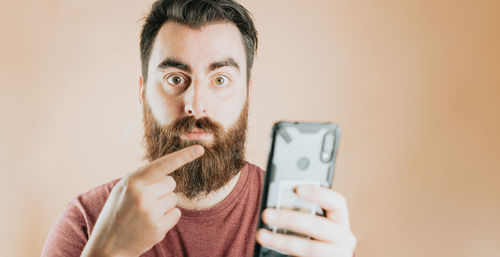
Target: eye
221, 80
176, 80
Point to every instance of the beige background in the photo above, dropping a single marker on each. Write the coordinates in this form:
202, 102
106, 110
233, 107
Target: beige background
415, 86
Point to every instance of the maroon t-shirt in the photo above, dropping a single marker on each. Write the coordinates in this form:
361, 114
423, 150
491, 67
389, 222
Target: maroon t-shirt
227, 229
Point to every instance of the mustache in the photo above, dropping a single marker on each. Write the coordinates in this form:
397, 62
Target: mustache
186, 124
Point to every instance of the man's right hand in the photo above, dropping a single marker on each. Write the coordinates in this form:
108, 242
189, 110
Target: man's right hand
140, 209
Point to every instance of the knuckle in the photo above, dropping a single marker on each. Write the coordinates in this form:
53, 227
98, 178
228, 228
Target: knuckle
167, 203
175, 198
124, 186
170, 219
124, 183
172, 202
129, 182
151, 217
177, 215
172, 182
318, 224
140, 201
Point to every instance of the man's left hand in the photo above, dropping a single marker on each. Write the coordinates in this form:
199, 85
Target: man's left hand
330, 235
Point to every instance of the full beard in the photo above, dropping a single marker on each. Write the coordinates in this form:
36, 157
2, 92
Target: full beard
224, 157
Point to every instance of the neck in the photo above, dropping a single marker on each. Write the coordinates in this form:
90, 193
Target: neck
210, 200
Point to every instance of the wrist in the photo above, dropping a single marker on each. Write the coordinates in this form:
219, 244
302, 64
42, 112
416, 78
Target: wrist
93, 249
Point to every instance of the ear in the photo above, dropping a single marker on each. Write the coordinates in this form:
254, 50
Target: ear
141, 90
250, 84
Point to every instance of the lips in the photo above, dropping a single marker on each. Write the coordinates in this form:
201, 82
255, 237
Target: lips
197, 133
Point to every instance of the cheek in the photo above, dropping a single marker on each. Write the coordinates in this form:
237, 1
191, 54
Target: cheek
165, 109
228, 108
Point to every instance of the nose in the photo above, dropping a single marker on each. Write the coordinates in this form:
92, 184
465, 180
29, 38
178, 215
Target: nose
195, 100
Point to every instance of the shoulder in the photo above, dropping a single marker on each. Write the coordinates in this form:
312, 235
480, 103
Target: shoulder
254, 168
84, 208
71, 230
256, 174
92, 201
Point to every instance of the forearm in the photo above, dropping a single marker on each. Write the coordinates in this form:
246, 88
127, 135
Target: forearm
99, 247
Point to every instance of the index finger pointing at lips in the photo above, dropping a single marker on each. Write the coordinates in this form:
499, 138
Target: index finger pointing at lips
169, 163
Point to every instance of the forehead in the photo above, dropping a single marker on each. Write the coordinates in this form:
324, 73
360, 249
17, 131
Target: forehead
198, 47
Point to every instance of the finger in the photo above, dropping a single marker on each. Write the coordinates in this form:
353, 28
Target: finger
167, 202
332, 202
162, 186
168, 164
293, 245
170, 219
317, 227
161, 206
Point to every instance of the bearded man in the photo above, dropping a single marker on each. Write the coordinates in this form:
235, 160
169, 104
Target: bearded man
197, 195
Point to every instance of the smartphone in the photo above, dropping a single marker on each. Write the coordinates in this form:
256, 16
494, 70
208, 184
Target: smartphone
301, 153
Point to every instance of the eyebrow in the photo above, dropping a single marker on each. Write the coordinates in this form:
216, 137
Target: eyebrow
229, 61
174, 63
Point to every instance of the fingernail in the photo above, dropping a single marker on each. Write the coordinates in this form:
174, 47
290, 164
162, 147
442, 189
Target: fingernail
303, 191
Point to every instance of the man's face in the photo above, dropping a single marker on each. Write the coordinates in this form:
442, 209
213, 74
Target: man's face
197, 72
196, 93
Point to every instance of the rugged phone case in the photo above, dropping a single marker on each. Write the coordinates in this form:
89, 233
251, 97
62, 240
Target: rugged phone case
301, 153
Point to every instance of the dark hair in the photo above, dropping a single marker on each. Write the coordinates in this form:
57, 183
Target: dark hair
197, 13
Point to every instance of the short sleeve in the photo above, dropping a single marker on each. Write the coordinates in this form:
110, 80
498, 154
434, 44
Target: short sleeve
69, 234
71, 231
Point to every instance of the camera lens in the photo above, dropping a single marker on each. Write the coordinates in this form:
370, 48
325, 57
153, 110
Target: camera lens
303, 163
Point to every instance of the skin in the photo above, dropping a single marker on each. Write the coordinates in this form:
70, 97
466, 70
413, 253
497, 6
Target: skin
199, 94
140, 206
331, 234
143, 206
